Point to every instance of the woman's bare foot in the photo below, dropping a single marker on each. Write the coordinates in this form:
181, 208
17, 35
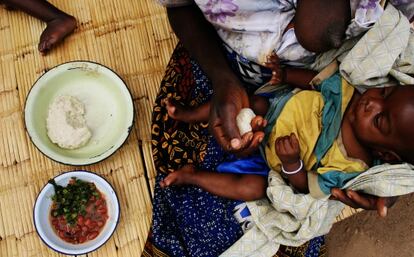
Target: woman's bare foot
57, 29
179, 177
181, 113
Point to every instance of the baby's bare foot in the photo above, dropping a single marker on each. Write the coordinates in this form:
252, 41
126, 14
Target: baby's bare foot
56, 30
179, 177
179, 112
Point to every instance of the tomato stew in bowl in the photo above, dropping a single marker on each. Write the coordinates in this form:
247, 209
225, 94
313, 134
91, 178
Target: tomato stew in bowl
79, 211
76, 212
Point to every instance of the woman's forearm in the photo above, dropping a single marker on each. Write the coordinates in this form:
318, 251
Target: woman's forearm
201, 40
232, 186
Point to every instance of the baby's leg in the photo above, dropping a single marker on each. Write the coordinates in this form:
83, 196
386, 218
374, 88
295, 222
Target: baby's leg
258, 104
247, 187
187, 114
59, 24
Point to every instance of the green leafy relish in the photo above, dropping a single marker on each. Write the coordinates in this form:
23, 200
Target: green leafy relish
70, 201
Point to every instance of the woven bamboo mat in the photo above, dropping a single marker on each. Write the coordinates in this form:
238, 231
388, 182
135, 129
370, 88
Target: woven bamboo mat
131, 37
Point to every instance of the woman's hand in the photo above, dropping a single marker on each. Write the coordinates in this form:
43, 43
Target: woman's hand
364, 201
228, 99
201, 40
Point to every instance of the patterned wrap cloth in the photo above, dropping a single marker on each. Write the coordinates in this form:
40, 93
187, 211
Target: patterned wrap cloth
254, 29
286, 217
386, 49
188, 221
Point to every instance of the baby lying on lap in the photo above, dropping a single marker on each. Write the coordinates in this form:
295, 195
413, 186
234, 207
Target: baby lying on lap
319, 141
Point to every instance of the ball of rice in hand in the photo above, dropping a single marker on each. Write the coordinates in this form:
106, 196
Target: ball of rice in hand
244, 119
66, 124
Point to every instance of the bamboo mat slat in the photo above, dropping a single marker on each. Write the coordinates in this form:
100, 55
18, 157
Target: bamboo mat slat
131, 37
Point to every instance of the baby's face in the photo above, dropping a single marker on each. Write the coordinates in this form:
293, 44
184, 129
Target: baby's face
383, 118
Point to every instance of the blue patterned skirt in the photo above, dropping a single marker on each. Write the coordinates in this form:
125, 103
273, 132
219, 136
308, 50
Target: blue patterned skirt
188, 221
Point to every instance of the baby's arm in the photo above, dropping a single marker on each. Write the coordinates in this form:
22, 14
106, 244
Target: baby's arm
245, 187
295, 77
288, 151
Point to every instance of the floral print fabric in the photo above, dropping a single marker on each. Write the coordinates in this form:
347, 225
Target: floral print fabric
254, 29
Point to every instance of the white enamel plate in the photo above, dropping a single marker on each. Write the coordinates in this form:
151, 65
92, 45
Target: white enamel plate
108, 105
42, 209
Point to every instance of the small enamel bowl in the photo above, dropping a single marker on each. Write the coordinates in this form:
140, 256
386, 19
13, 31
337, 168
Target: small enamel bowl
109, 110
42, 207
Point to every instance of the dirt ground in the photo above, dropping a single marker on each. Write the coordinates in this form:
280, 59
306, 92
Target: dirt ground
367, 235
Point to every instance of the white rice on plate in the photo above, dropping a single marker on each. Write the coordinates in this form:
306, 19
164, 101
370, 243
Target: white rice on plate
66, 123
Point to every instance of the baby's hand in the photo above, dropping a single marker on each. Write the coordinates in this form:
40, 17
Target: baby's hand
288, 150
277, 71
179, 177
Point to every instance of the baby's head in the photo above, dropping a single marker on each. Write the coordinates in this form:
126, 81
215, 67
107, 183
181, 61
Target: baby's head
320, 25
383, 122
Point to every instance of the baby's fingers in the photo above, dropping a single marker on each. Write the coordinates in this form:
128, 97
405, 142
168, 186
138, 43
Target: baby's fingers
272, 60
283, 144
278, 145
253, 145
288, 145
294, 141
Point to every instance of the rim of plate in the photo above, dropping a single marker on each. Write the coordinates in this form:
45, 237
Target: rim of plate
75, 252
95, 159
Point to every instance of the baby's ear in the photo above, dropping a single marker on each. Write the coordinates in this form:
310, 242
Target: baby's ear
389, 156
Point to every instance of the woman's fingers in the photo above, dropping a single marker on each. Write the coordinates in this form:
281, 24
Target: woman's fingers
253, 145
258, 123
383, 203
340, 195
230, 128
226, 135
382, 209
364, 201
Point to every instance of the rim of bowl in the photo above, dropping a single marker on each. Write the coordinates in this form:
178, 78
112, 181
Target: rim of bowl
98, 246
98, 160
